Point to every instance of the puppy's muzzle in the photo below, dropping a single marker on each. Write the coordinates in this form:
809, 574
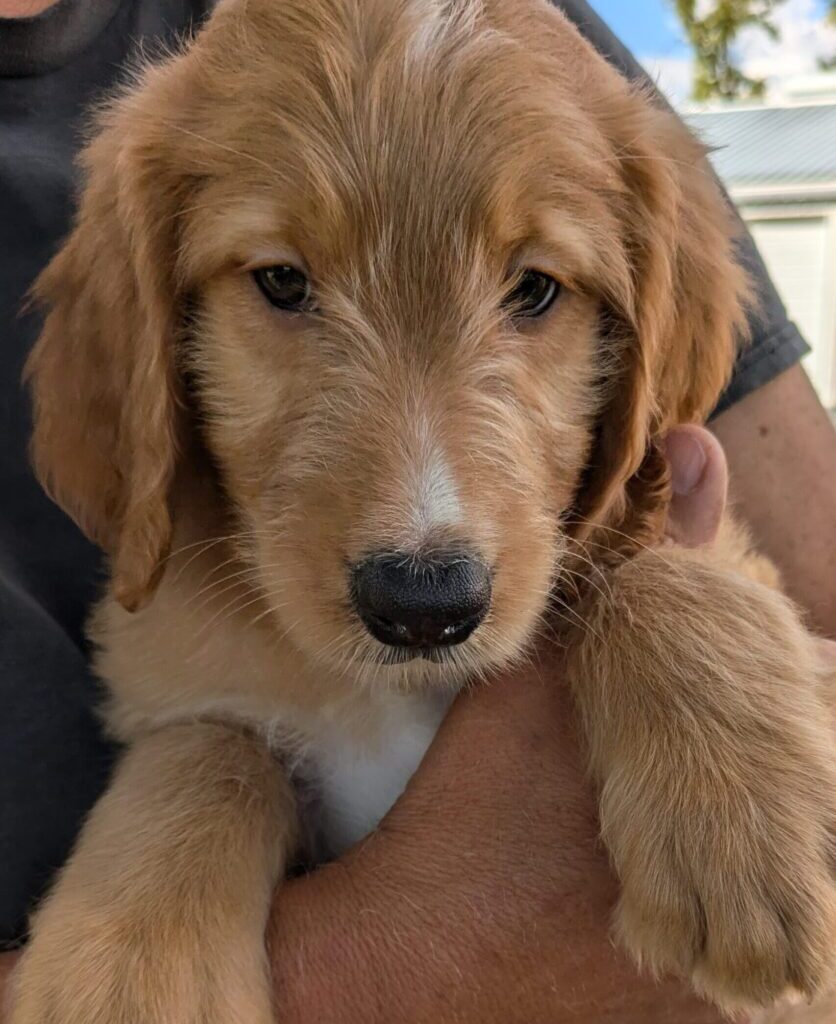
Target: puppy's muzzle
423, 603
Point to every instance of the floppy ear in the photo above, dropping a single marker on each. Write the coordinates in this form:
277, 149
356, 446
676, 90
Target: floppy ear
102, 374
674, 331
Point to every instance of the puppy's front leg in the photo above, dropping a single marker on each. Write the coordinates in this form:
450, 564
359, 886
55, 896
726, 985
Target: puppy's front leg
699, 692
159, 915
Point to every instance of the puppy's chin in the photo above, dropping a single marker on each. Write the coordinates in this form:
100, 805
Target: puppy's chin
403, 671
366, 663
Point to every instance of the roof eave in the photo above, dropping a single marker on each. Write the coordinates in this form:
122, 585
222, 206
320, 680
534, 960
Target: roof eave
783, 192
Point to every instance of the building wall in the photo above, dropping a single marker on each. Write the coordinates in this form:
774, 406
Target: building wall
798, 243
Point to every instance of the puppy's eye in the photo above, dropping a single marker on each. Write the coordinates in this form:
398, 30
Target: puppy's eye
285, 287
532, 295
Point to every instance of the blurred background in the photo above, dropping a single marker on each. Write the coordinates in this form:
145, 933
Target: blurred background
756, 79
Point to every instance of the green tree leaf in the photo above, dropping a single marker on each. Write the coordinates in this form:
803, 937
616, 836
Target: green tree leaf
712, 32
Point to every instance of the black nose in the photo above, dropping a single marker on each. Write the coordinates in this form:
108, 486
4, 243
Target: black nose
406, 601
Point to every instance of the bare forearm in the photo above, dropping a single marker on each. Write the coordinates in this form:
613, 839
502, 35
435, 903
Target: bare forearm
781, 449
329, 966
485, 898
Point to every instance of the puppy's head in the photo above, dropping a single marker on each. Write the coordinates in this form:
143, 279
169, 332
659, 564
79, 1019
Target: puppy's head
439, 279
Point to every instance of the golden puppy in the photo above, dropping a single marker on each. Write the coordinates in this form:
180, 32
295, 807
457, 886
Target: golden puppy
360, 348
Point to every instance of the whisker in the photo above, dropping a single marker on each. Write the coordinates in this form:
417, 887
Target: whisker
605, 594
575, 617
620, 533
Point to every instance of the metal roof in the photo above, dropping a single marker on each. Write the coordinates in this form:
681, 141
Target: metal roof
794, 145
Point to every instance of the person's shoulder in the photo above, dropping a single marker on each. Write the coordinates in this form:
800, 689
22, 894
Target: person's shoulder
186, 9
175, 14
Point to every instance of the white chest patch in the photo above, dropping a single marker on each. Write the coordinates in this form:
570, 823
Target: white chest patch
356, 783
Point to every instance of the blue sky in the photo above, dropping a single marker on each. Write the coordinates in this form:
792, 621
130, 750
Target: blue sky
646, 26
650, 26
651, 30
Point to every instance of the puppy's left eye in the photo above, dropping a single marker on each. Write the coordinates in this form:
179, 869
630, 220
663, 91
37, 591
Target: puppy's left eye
285, 287
532, 295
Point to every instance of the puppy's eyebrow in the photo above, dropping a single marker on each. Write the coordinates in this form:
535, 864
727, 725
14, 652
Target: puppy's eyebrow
561, 245
567, 247
246, 231
274, 256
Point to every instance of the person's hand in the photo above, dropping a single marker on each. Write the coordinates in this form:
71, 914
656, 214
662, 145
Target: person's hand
485, 896
700, 483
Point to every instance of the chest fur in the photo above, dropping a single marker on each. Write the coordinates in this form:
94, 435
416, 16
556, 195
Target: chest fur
351, 778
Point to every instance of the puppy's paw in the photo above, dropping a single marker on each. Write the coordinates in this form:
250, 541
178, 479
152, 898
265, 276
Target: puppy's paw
99, 971
742, 903
718, 770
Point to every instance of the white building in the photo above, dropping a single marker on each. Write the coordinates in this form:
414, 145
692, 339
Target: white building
778, 162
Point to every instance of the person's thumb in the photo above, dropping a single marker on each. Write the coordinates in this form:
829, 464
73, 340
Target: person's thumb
699, 480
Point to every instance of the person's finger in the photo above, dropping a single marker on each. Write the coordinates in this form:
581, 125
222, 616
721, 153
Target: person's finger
699, 479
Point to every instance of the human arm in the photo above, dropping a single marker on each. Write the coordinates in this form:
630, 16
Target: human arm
781, 449
485, 897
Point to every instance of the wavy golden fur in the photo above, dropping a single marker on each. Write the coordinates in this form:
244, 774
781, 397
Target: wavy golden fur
412, 156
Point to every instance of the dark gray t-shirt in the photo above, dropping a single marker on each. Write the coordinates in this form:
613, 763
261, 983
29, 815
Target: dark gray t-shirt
53, 761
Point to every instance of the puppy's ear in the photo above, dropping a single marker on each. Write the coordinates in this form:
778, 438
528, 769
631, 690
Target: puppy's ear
102, 375
674, 329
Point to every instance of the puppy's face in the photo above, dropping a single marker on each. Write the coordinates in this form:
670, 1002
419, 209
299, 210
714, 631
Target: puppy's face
399, 229
395, 353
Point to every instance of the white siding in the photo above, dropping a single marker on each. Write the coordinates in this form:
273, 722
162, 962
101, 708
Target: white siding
801, 255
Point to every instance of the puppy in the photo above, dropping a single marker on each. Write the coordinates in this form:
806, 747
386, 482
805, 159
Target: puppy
358, 354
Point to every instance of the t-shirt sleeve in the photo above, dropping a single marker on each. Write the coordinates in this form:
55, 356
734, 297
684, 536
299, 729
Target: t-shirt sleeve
775, 342
53, 759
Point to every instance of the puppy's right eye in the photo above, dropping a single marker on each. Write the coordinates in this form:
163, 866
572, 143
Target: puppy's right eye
532, 294
285, 287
